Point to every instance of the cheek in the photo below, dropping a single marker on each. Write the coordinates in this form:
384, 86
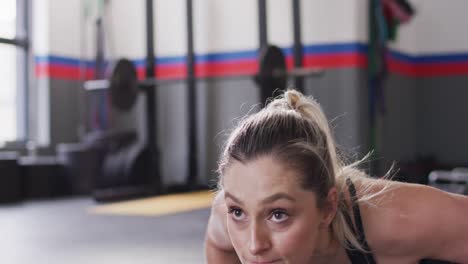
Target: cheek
239, 236
299, 241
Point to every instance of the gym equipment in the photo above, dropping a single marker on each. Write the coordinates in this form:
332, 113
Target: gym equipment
454, 181
111, 165
130, 167
42, 177
123, 82
192, 170
10, 178
123, 88
124, 85
272, 64
124, 171
297, 47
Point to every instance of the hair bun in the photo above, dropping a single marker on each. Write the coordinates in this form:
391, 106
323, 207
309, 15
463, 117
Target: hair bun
293, 99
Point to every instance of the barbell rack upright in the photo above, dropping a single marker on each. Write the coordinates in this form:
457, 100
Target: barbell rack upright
192, 169
151, 111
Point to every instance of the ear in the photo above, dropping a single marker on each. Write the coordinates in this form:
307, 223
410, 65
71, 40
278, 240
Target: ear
330, 207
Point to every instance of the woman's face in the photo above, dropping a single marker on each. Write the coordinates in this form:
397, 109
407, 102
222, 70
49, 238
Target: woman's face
271, 219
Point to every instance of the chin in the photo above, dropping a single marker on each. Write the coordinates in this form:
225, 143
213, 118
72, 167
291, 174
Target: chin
277, 261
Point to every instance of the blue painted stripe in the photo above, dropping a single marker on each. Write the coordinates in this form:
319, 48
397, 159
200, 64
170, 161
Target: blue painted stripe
76, 62
402, 57
161, 61
335, 48
206, 58
139, 63
226, 56
329, 49
57, 60
170, 60
213, 57
62, 61
422, 59
288, 51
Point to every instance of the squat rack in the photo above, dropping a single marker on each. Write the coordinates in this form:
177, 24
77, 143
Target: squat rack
151, 82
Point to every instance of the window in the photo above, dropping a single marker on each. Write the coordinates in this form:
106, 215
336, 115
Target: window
8, 19
13, 70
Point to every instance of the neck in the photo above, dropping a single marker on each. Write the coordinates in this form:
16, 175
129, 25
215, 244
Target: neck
329, 250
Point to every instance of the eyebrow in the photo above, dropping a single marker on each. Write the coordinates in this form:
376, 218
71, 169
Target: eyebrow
269, 199
278, 196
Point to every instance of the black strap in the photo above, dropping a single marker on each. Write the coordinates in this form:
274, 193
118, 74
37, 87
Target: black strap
356, 256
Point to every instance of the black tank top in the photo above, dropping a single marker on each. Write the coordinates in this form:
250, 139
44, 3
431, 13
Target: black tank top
356, 256
359, 257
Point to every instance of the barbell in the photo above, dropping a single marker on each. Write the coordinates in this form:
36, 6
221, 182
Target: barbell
124, 84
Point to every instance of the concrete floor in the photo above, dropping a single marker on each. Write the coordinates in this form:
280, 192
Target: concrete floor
62, 231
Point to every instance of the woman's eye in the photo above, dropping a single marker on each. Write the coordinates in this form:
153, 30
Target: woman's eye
237, 214
279, 216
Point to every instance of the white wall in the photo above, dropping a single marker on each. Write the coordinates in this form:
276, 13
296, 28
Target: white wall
225, 25
322, 22
333, 21
424, 114
71, 29
40, 27
126, 29
39, 92
279, 23
169, 27
222, 26
64, 21
219, 26
437, 27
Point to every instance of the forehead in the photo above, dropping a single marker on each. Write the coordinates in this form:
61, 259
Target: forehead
261, 176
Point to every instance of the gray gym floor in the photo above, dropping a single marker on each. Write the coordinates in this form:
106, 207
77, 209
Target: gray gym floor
62, 231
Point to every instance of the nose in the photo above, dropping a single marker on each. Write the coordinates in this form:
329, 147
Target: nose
259, 239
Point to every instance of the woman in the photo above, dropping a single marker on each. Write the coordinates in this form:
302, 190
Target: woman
286, 196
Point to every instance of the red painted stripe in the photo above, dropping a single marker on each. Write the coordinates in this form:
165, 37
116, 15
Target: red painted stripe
336, 60
171, 72
247, 67
211, 69
204, 70
41, 71
165, 72
395, 66
62, 72
226, 68
141, 73
427, 70
289, 63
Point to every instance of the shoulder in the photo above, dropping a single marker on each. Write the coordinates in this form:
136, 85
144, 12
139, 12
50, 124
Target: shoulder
216, 232
390, 217
417, 220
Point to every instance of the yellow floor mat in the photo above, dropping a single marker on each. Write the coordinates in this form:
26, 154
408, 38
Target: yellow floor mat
156, 206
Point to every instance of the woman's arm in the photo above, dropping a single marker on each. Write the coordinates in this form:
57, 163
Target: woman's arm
420, 221
218, 247
215, 254
443, 219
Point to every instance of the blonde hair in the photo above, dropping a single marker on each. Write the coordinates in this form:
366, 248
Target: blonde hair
294, 129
